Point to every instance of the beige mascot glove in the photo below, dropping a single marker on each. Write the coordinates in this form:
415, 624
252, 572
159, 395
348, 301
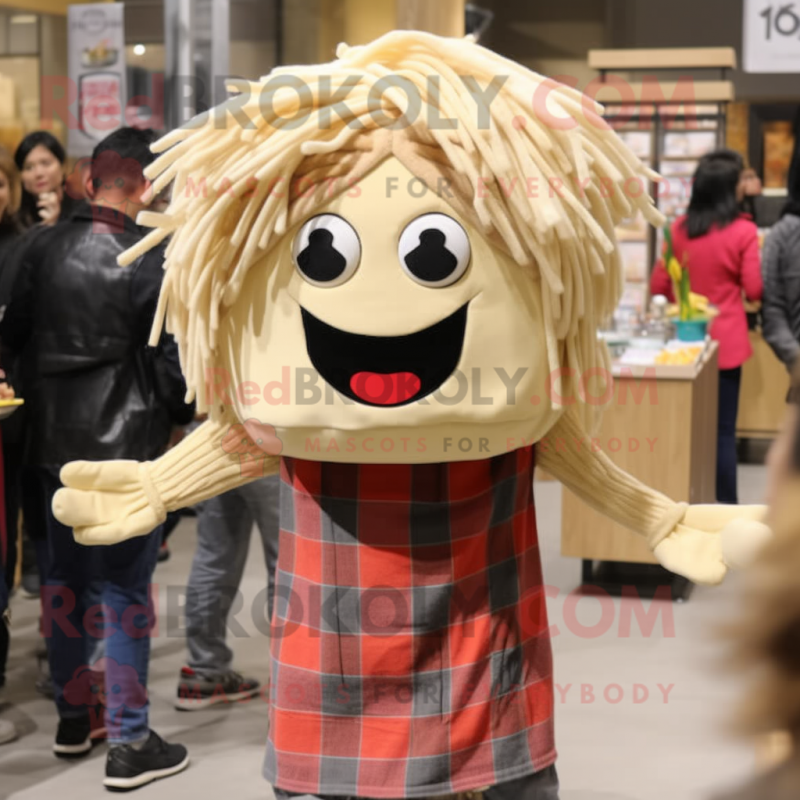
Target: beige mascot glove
109, 501
699, 542
743, 538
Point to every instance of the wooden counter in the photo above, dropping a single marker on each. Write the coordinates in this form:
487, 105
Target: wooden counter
762, 402
668, 439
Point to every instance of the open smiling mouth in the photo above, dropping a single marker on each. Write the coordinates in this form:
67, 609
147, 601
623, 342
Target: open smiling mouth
386, 370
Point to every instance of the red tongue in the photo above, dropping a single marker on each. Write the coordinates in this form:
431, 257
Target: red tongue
385, 390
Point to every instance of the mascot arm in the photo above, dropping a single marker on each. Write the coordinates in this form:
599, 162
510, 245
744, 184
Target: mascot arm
698, 542
106, 502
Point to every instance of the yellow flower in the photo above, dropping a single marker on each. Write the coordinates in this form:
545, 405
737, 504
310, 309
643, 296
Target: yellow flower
675, 270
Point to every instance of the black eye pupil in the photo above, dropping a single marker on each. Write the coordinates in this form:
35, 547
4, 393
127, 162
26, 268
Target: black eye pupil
319, 259
431, 261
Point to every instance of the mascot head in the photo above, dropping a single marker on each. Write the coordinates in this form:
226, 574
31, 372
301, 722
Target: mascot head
403, 255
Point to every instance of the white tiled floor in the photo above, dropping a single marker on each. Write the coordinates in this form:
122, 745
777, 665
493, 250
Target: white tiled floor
651, 750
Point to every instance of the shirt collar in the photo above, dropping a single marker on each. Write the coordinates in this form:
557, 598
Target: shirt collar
112, 219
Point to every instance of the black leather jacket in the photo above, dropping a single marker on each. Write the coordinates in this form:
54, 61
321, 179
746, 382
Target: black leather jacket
93, 389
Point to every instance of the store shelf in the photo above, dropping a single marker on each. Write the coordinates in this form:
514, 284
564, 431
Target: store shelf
664, 58
670, 91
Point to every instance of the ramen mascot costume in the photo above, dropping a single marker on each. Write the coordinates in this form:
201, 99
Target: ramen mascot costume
386, 275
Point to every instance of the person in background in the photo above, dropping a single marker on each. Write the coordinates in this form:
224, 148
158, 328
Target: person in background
780, 313
750, 187
224, 527
10, 231
719, 247
10, 457
100, 393
40, 159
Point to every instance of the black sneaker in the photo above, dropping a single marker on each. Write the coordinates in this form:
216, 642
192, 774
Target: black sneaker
196, 693
128, 768
73, 739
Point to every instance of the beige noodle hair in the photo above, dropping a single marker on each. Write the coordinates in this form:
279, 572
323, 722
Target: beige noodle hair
587, 181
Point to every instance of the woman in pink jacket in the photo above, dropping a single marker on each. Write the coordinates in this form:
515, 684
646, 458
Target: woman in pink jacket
719, 246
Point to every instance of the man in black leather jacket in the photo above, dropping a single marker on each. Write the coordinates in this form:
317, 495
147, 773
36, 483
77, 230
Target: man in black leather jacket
95, 391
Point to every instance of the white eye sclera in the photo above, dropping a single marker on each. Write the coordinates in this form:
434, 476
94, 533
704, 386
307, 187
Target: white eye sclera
326, 250
434, 250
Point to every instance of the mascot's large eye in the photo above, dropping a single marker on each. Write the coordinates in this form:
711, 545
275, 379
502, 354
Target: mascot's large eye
326, 250
434, 250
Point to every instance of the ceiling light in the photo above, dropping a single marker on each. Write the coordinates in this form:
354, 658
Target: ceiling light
139, 49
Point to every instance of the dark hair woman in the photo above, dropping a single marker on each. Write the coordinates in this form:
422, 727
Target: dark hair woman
713, 201
40, 159
719, 247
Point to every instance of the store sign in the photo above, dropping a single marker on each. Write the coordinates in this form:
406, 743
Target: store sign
97, 74
771, 36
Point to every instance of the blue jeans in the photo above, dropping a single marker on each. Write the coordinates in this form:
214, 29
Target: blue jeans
122, 573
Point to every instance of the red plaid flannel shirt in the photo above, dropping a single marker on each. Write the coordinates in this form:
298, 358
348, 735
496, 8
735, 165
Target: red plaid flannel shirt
410, 651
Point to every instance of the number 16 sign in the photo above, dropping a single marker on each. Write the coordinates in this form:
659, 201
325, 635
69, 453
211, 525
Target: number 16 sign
771, 36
